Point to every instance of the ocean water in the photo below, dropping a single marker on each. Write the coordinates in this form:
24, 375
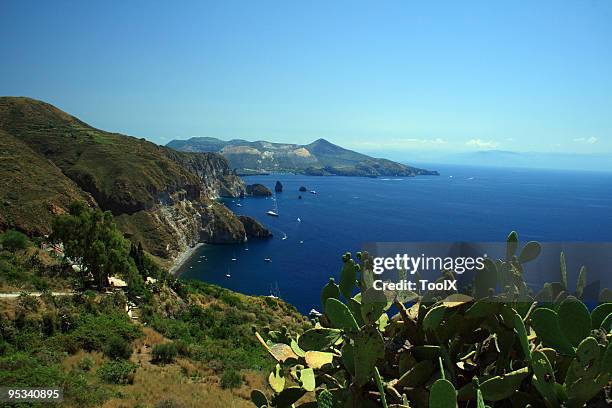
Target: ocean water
475, 204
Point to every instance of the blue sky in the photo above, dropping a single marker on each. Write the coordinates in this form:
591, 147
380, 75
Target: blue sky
386, 77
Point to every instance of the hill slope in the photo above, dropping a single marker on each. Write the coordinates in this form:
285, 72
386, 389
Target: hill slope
160, 196
317, 158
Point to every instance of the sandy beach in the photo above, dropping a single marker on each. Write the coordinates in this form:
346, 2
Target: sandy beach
182, 258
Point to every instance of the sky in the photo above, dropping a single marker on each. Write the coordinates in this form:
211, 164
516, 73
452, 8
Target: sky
385, 77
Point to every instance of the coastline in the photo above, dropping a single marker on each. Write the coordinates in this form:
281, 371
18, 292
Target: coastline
182, 258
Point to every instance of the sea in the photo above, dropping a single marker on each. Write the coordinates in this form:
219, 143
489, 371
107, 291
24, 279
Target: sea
463, 203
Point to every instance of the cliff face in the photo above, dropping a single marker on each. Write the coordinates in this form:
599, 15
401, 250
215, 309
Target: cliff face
160, 197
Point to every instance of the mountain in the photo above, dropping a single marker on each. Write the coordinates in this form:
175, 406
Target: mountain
317, 158
159, 196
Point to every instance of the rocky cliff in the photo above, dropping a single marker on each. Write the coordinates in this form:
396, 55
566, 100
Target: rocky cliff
159, 196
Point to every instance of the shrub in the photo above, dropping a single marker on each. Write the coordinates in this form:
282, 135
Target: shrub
118, 348
13, 240
117, 372
164, 353
231, 379
86, 363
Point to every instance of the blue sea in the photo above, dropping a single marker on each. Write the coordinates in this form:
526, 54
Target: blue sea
475, 204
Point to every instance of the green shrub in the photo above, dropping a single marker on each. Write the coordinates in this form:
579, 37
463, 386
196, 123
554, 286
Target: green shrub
117, 372
13, 240
118, 348
164, 353
231, 379
86, 363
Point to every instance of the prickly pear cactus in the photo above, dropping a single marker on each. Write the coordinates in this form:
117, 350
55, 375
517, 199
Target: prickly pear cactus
499, 345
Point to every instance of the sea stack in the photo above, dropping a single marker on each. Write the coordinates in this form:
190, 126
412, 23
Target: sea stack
302, 188
278, 187
258, 190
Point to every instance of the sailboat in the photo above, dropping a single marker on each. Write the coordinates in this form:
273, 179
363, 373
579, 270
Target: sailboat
299, 220
274, 212
228, 273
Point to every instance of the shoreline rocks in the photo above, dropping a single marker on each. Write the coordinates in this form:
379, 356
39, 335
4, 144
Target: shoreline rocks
258, 190
253, 228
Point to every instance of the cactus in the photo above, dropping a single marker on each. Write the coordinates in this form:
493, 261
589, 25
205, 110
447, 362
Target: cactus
340, 315
574, 320
546, 324
599, 314
530, 252
331, 290
319, 339
580, 285
276, 379
503, 348
563, 269
369, 348
381, 387
259, 399
348, 276
544, 377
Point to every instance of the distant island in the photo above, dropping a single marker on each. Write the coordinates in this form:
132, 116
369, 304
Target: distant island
319, 158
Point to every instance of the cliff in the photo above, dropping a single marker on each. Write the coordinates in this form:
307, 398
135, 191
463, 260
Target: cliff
159, 196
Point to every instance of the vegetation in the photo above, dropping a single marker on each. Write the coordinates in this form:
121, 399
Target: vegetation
12, 240
91, 239
446, 349
51, 159
87, 344
164, 353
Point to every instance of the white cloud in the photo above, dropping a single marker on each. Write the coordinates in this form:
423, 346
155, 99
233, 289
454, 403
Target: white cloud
587, 140
436, 141
482, 144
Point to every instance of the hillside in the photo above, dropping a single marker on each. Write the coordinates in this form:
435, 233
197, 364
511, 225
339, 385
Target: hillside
32, 189
160, 196
317, 158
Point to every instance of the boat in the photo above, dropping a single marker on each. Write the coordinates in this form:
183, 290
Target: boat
301, 242
313, 192
239, 205
284, 236
299, 220
267, 260
273, 212
228, 273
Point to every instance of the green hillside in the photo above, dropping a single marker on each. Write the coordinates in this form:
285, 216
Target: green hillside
32, 189
124, 174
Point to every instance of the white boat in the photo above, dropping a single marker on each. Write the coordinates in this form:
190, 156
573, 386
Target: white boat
284, 238
267, 260
239, 205
299, 220
234, 259
228, 275
273, 212
313, 192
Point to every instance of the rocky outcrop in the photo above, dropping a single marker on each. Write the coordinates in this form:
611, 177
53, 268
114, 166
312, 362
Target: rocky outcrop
253, 228
168, 230
278, 187
258, 190
302, 188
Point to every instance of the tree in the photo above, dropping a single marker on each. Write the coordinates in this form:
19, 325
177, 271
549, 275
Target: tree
13, 240
92, 240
